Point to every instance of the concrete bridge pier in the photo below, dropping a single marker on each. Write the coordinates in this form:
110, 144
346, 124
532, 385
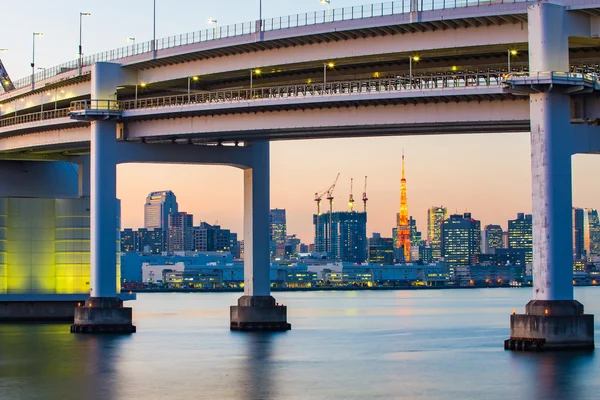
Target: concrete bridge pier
256, 309
553, 319
103, 311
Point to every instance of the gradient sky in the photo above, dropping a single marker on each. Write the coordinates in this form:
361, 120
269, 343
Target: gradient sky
488, 175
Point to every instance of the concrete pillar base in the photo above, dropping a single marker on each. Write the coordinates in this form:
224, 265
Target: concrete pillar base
37, 311
259, 313
103, 315
551, 325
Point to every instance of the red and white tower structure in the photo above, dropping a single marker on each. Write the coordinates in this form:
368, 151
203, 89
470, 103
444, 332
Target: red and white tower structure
402, 224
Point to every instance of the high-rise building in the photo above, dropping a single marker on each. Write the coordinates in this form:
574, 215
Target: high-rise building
278, 226
461, 239
207, 237
129, 242
348, 234
151, 241
381, 250
158, 207
581, 233
493, 238
234, 245
520, 235
402, 223
181, 236
435, 217
594, 232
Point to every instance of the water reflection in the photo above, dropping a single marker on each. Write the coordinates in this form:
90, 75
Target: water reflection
258, 373
555, 375
48, 360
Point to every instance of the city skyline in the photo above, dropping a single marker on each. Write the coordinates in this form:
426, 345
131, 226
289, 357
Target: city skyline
491, 188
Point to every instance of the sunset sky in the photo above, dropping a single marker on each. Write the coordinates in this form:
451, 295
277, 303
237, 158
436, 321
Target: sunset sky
488, 175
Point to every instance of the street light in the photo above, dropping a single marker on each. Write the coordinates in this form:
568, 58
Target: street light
256, 72
410, 61
328, 2
213, 21
130, 39
81, 15
190, 79
143, 85
329, 65
3, 50
33, 60
511, 53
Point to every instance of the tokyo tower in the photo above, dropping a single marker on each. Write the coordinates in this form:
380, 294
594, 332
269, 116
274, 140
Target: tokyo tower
402, 224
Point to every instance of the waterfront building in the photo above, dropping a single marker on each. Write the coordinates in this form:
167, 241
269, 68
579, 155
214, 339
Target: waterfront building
520, 235
152, 241
461, 239
129, 242
403, 227
594, 232
348, 235
158, 207
493, 238
381, 250
484, 275
581, 233
425, 254
207, 237
435, 217
278, 229
180, 232
234, 245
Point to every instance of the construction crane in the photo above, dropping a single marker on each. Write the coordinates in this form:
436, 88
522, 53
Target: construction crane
5, 81
365, 196
351, 198
318, 198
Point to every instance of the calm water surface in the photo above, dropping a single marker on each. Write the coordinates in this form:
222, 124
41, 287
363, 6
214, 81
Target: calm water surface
436, 344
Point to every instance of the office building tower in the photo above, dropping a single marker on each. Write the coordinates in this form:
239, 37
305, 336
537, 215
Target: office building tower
520, 235
278, 226
207, 237
581, 233
180, 232
435, 218
152, 241
234, 245
461, 239
594, 232
381, 250
129, 242
348, 234
493, 238
403, 228
158, 207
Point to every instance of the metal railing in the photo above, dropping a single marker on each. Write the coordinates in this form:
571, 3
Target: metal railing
544, 75
271, 24
95, 105
397, 84
34, 117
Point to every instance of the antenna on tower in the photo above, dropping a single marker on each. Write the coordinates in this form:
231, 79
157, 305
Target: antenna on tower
365, 196
351, 198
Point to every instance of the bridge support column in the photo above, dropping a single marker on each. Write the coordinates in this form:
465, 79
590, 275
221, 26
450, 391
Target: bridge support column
257, 309
103, 311
553, 319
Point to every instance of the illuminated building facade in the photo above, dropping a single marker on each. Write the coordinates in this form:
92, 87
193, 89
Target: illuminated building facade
493, 238
381, 250
180, 232
278, 230
348, 235
594, 232
158, 207
45, 246
520, 235
581, 233
461, 239
435, 217
403, 227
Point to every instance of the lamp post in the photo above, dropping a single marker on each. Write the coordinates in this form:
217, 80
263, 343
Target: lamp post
256, 72
410, 61
130, 39
328, 2
190, 79
33, 59
213, 21
81, 15
510, 53
143, 85
330, 64
3, 50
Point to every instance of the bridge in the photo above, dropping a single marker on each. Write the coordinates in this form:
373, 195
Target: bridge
400, 68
